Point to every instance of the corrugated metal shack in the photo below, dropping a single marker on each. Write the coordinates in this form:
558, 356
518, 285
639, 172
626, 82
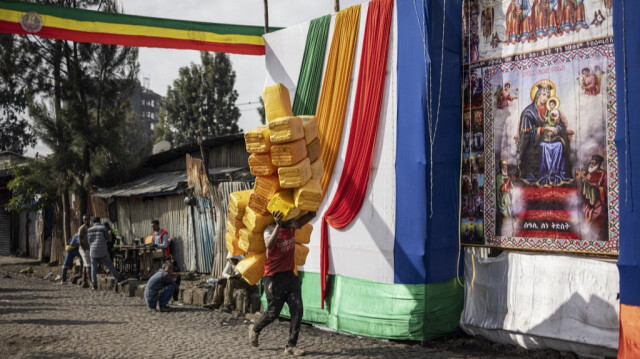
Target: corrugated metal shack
159, 192
21, 233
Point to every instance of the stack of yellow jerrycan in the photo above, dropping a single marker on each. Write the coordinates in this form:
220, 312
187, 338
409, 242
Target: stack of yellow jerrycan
285, 160
237, 207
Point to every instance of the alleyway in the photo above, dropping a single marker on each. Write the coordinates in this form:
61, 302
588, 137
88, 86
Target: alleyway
41, 320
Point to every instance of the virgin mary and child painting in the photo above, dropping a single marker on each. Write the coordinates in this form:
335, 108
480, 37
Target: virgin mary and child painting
544, 140
538, 193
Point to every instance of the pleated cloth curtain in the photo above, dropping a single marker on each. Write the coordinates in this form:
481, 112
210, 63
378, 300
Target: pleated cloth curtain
332, 105
364, 127
308, 89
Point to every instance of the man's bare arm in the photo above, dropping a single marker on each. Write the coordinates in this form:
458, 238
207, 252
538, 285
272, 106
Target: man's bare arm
298, 223
271, 240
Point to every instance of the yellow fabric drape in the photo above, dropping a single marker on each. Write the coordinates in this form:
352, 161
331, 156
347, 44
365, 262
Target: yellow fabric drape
335, 88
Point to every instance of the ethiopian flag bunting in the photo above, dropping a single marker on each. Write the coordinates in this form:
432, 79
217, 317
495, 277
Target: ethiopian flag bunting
56, 22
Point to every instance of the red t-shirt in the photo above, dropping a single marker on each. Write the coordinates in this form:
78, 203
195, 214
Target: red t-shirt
280, 258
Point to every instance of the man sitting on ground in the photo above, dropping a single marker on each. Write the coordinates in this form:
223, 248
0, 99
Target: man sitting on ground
228, 282
161, 288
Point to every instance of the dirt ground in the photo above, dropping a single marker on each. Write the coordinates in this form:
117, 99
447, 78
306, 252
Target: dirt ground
39, 319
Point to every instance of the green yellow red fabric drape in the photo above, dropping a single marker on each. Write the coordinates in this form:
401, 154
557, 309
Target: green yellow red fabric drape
57, 22
306, 98
332, 105
353, 183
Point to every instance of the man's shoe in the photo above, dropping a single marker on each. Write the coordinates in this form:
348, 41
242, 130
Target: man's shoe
294, 351
62, 283
94, 288
176, 293
165, 309
253, 336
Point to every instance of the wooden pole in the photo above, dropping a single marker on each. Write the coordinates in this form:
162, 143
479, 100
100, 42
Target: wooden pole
266, 16
336, 5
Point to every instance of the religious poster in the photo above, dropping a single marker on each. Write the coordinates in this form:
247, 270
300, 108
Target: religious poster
539, 165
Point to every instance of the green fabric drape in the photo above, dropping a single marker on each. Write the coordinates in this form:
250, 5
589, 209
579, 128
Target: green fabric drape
382, 310
305, 101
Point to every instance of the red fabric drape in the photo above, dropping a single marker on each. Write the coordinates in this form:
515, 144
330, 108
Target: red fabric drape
364, 126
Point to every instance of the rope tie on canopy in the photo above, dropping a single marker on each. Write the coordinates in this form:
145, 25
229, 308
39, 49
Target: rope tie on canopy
433, 128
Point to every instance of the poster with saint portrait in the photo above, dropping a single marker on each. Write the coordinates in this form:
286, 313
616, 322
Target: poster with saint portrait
539, 119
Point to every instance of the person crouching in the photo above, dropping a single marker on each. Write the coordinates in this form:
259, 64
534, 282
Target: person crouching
161, 287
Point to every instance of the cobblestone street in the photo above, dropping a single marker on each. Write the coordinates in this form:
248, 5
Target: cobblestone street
41, 320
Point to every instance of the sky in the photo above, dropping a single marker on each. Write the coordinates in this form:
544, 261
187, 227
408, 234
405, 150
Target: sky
161, 65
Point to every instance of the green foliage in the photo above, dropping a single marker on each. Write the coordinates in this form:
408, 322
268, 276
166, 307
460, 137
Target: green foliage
78, 96
138, 145
33, 186
202, 102
58, 136
109, 167
15, 132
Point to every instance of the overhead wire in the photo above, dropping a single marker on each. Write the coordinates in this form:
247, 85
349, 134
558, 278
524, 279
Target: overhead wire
433, 128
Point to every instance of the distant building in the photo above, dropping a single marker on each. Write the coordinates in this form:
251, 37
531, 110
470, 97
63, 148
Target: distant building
146, 105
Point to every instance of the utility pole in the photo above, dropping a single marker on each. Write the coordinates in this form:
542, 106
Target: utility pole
336, 5
266, 16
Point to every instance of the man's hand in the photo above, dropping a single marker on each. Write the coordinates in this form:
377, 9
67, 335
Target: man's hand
277, 215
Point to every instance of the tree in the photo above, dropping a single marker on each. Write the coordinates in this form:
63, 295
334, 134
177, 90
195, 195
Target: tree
202, 101
15, 132
33, 190
79, 100
31, 186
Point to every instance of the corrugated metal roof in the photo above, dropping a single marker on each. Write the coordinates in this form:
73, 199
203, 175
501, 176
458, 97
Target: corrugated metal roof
171, 154
156, 184
223, 170
161, 183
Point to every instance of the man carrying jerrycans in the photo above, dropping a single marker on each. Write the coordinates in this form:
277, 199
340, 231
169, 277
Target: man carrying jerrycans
280, 283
